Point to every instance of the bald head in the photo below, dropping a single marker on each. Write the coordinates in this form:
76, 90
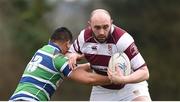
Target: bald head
100, 23
100, 13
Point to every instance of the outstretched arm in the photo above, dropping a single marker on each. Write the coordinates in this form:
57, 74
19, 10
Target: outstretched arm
83, 74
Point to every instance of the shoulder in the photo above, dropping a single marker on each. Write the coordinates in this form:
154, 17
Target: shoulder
61, 64
117, 33
122, 38
117, 30
60, 57
59, 60
86, 34
48, 49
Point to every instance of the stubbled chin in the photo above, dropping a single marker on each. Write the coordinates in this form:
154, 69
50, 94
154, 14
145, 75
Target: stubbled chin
101, 40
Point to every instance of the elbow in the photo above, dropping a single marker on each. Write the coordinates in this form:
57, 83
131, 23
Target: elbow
146, 74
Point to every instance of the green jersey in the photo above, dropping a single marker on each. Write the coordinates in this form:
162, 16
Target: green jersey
42, 75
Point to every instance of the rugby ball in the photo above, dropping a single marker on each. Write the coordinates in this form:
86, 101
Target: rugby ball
122, 60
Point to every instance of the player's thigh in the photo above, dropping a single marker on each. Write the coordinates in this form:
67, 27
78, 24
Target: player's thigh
138, 92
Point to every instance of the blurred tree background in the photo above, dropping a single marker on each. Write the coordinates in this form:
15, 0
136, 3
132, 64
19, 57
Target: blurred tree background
25, 25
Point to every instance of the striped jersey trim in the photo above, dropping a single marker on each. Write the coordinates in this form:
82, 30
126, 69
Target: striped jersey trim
47, 69
42, 89
139, 61
124, 42
24, 99
26, 93
40, 79
45, 86
64, 66
45, 53
53, 47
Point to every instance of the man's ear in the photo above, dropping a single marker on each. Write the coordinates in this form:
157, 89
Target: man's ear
89, 23
65, 43
111, 21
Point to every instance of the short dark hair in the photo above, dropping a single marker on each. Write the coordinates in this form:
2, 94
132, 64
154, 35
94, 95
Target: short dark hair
61, 34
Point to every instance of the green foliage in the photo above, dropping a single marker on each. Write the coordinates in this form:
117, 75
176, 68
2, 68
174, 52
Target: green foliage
29, 28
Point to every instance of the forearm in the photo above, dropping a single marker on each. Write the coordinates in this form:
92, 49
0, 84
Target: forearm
76, 55
83, 75
138, 76
96, 79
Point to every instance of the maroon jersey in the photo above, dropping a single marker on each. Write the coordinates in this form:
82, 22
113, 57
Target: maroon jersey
98, 54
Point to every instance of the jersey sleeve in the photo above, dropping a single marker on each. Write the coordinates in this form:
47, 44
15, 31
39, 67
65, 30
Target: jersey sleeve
126, 44
78, 43
61, 64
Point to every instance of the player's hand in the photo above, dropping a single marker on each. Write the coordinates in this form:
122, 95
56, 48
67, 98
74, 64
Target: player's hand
116, 76
72, 60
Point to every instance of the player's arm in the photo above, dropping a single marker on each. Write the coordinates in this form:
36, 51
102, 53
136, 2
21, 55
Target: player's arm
118, 78
139, 75
83, 74
73, 58
141, 72
138, 65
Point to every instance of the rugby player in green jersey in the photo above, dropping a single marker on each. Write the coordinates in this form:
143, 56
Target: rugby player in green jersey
49, 66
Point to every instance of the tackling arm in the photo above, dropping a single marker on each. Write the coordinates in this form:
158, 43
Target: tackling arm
83, 74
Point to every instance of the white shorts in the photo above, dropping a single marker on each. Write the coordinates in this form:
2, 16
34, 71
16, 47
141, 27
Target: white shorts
128, 93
